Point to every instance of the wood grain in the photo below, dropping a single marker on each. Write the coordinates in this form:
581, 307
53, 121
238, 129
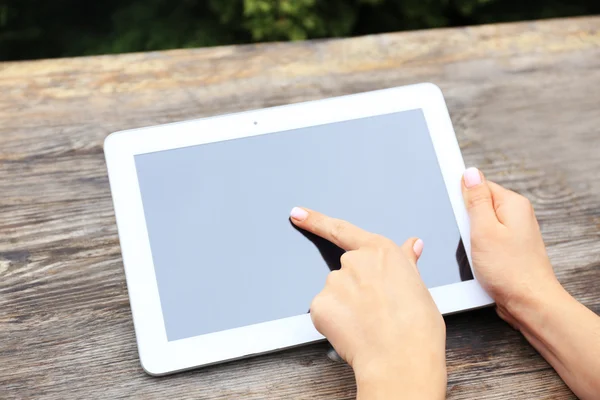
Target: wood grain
524, 99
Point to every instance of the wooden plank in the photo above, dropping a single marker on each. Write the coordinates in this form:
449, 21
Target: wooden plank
523, 98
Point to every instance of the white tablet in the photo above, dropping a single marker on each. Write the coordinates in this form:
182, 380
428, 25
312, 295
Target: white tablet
215, 270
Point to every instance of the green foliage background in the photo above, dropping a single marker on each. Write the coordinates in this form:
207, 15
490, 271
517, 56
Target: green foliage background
42, 28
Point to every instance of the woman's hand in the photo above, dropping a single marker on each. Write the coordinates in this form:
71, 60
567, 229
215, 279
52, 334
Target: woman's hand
510, 261
378, 314
507, 249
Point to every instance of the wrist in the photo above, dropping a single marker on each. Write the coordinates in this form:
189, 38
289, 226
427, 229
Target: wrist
531, 307
389, 380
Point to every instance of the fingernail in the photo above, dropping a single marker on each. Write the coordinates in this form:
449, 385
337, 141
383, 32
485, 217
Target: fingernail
298, 214
472, 177
418, 247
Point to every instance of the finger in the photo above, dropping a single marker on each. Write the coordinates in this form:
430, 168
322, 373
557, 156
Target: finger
500, 196
339, 232
413, 248
510, 206
478, 199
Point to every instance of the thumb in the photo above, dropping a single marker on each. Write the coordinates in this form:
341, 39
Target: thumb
478, 198
413, 248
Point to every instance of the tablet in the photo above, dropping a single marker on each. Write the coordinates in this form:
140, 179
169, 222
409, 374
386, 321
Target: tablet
215, 271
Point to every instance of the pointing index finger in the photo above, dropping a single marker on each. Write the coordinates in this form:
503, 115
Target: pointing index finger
339, 232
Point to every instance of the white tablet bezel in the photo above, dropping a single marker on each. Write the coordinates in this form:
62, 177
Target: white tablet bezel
159, 356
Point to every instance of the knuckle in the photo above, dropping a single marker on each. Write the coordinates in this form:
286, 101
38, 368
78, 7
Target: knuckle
522, 205
320, 307
337, 230
346, 258
315, 304
316, 222
525, 204
478, 199
316, 308
332, 278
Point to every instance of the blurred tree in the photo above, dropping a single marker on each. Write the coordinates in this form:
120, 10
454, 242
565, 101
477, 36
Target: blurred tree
301, 19
43, 28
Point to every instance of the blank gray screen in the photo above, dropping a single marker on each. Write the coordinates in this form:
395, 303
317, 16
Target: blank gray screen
225, 254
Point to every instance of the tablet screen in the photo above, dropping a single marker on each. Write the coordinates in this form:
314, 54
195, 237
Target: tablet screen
225, 254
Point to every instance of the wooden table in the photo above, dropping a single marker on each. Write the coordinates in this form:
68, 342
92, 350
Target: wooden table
525, 101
